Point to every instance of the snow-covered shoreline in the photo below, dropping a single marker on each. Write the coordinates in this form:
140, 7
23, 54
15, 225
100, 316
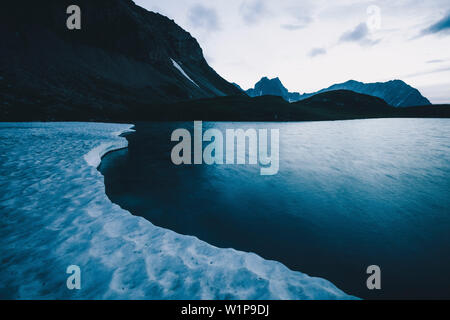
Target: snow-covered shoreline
55, 213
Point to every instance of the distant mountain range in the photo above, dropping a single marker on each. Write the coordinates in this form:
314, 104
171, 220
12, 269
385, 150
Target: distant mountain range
123, 57
273, 87
396, 92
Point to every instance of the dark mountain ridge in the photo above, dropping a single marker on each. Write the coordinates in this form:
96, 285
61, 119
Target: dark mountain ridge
332, 105
395, 92
122, 56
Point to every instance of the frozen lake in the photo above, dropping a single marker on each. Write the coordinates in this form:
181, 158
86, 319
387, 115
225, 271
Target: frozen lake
55, 214
348, 194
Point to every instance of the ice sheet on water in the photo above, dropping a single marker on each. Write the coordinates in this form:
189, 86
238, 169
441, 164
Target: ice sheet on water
55, 213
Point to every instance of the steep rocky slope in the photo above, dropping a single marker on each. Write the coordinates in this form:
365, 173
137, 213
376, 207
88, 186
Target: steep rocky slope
274, 87
124, 56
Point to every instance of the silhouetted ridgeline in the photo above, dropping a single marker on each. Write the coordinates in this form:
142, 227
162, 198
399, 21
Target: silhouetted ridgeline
333, 105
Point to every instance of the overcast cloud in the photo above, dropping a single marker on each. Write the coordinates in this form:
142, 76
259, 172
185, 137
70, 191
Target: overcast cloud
203, 17
359, 34
441, 26
317, 52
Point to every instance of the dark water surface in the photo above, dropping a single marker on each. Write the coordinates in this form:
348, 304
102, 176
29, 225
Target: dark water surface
348, 194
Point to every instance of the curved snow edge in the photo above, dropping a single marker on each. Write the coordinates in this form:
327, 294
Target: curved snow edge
94, 157
324, 290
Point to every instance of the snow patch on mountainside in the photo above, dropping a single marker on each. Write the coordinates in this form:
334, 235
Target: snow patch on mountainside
55, 213
176, 65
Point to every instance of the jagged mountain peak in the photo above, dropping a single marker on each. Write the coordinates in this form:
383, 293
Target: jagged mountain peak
274, 87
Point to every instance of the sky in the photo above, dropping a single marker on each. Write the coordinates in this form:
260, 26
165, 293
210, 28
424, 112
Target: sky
312, 44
